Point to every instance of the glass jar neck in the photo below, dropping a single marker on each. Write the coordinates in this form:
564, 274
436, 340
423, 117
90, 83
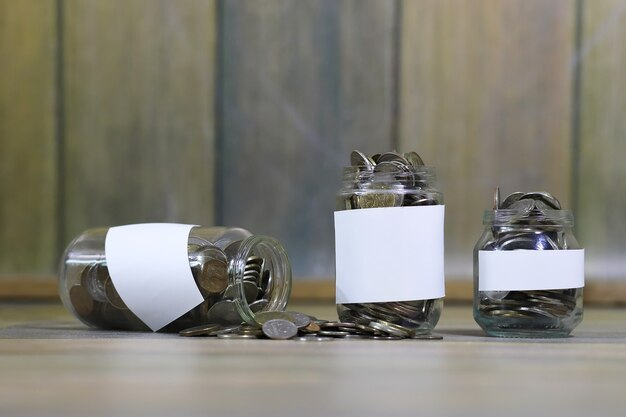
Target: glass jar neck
524, 219
401, 177
267, 255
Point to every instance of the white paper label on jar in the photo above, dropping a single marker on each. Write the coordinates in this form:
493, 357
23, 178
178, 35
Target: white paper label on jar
389, 254
524, 269
149, 267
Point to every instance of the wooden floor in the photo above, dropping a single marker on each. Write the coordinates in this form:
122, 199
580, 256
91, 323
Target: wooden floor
52, 365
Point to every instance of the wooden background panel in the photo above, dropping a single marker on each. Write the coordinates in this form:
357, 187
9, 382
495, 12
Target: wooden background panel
28, 181
303, 83
139, 112
485, 95
601, 198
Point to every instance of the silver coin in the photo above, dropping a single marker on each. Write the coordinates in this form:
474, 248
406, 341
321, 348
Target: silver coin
313, 339
426, 337
201, 330
510, 199
547, 198
333, 333
390, 328
279, 329
359, 159
386, 338
300, 319
264, 316
258, 305
236, 336
225, 330
254, 260
496, 198
414, 159
391, 156
224, 312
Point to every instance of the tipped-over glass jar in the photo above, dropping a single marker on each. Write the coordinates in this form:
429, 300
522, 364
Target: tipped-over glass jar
528, 269
170, 277
389, 244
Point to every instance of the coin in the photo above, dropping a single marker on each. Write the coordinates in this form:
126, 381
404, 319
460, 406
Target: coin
543, 196
258, 305
236, 336
414, 159
374, 200
333, 333
391, 156
213, 276
279, 329
390, 328
264, 316
426, 337
224, 312
112, 295
510, 199
93, 279
299, 319
359, 159
496, 198
81, 301
313, 338
312, 327
202, 330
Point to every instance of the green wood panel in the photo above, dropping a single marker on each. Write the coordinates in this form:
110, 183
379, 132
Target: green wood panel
485, 95
28, 181
302, 84
139, 112
601, 195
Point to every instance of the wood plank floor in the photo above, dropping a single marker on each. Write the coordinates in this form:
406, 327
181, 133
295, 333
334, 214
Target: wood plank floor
52, 365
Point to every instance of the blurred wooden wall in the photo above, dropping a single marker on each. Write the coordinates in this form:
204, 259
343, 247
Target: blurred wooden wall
243, 112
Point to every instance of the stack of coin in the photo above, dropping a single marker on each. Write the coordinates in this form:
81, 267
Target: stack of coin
97, 302
528, 227
390, 179
301, 327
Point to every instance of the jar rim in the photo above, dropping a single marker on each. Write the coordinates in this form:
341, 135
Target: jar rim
414, 177
514, 217
281, 271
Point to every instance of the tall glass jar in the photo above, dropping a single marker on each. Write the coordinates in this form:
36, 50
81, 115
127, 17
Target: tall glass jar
389, 244
528, 270
224, 275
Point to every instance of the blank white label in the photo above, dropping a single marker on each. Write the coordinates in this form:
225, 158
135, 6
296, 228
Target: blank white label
149, 267
389, 254
519, 270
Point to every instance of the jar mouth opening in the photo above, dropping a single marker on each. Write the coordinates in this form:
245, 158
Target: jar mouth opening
276, 261
410, 177
363, 172
513, 217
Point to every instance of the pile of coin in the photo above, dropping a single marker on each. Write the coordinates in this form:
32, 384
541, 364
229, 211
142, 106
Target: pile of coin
389, 179
97, 302
529, 226
301, 327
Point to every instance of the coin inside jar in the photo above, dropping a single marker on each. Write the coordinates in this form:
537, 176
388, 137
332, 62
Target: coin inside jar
81, 301
113, 296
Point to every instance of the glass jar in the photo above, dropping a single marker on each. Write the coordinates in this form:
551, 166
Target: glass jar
389, 244
528, 270
212, 275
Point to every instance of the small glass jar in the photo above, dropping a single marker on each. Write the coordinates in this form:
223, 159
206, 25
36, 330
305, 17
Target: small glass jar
236, 273
389, 188
528, 273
